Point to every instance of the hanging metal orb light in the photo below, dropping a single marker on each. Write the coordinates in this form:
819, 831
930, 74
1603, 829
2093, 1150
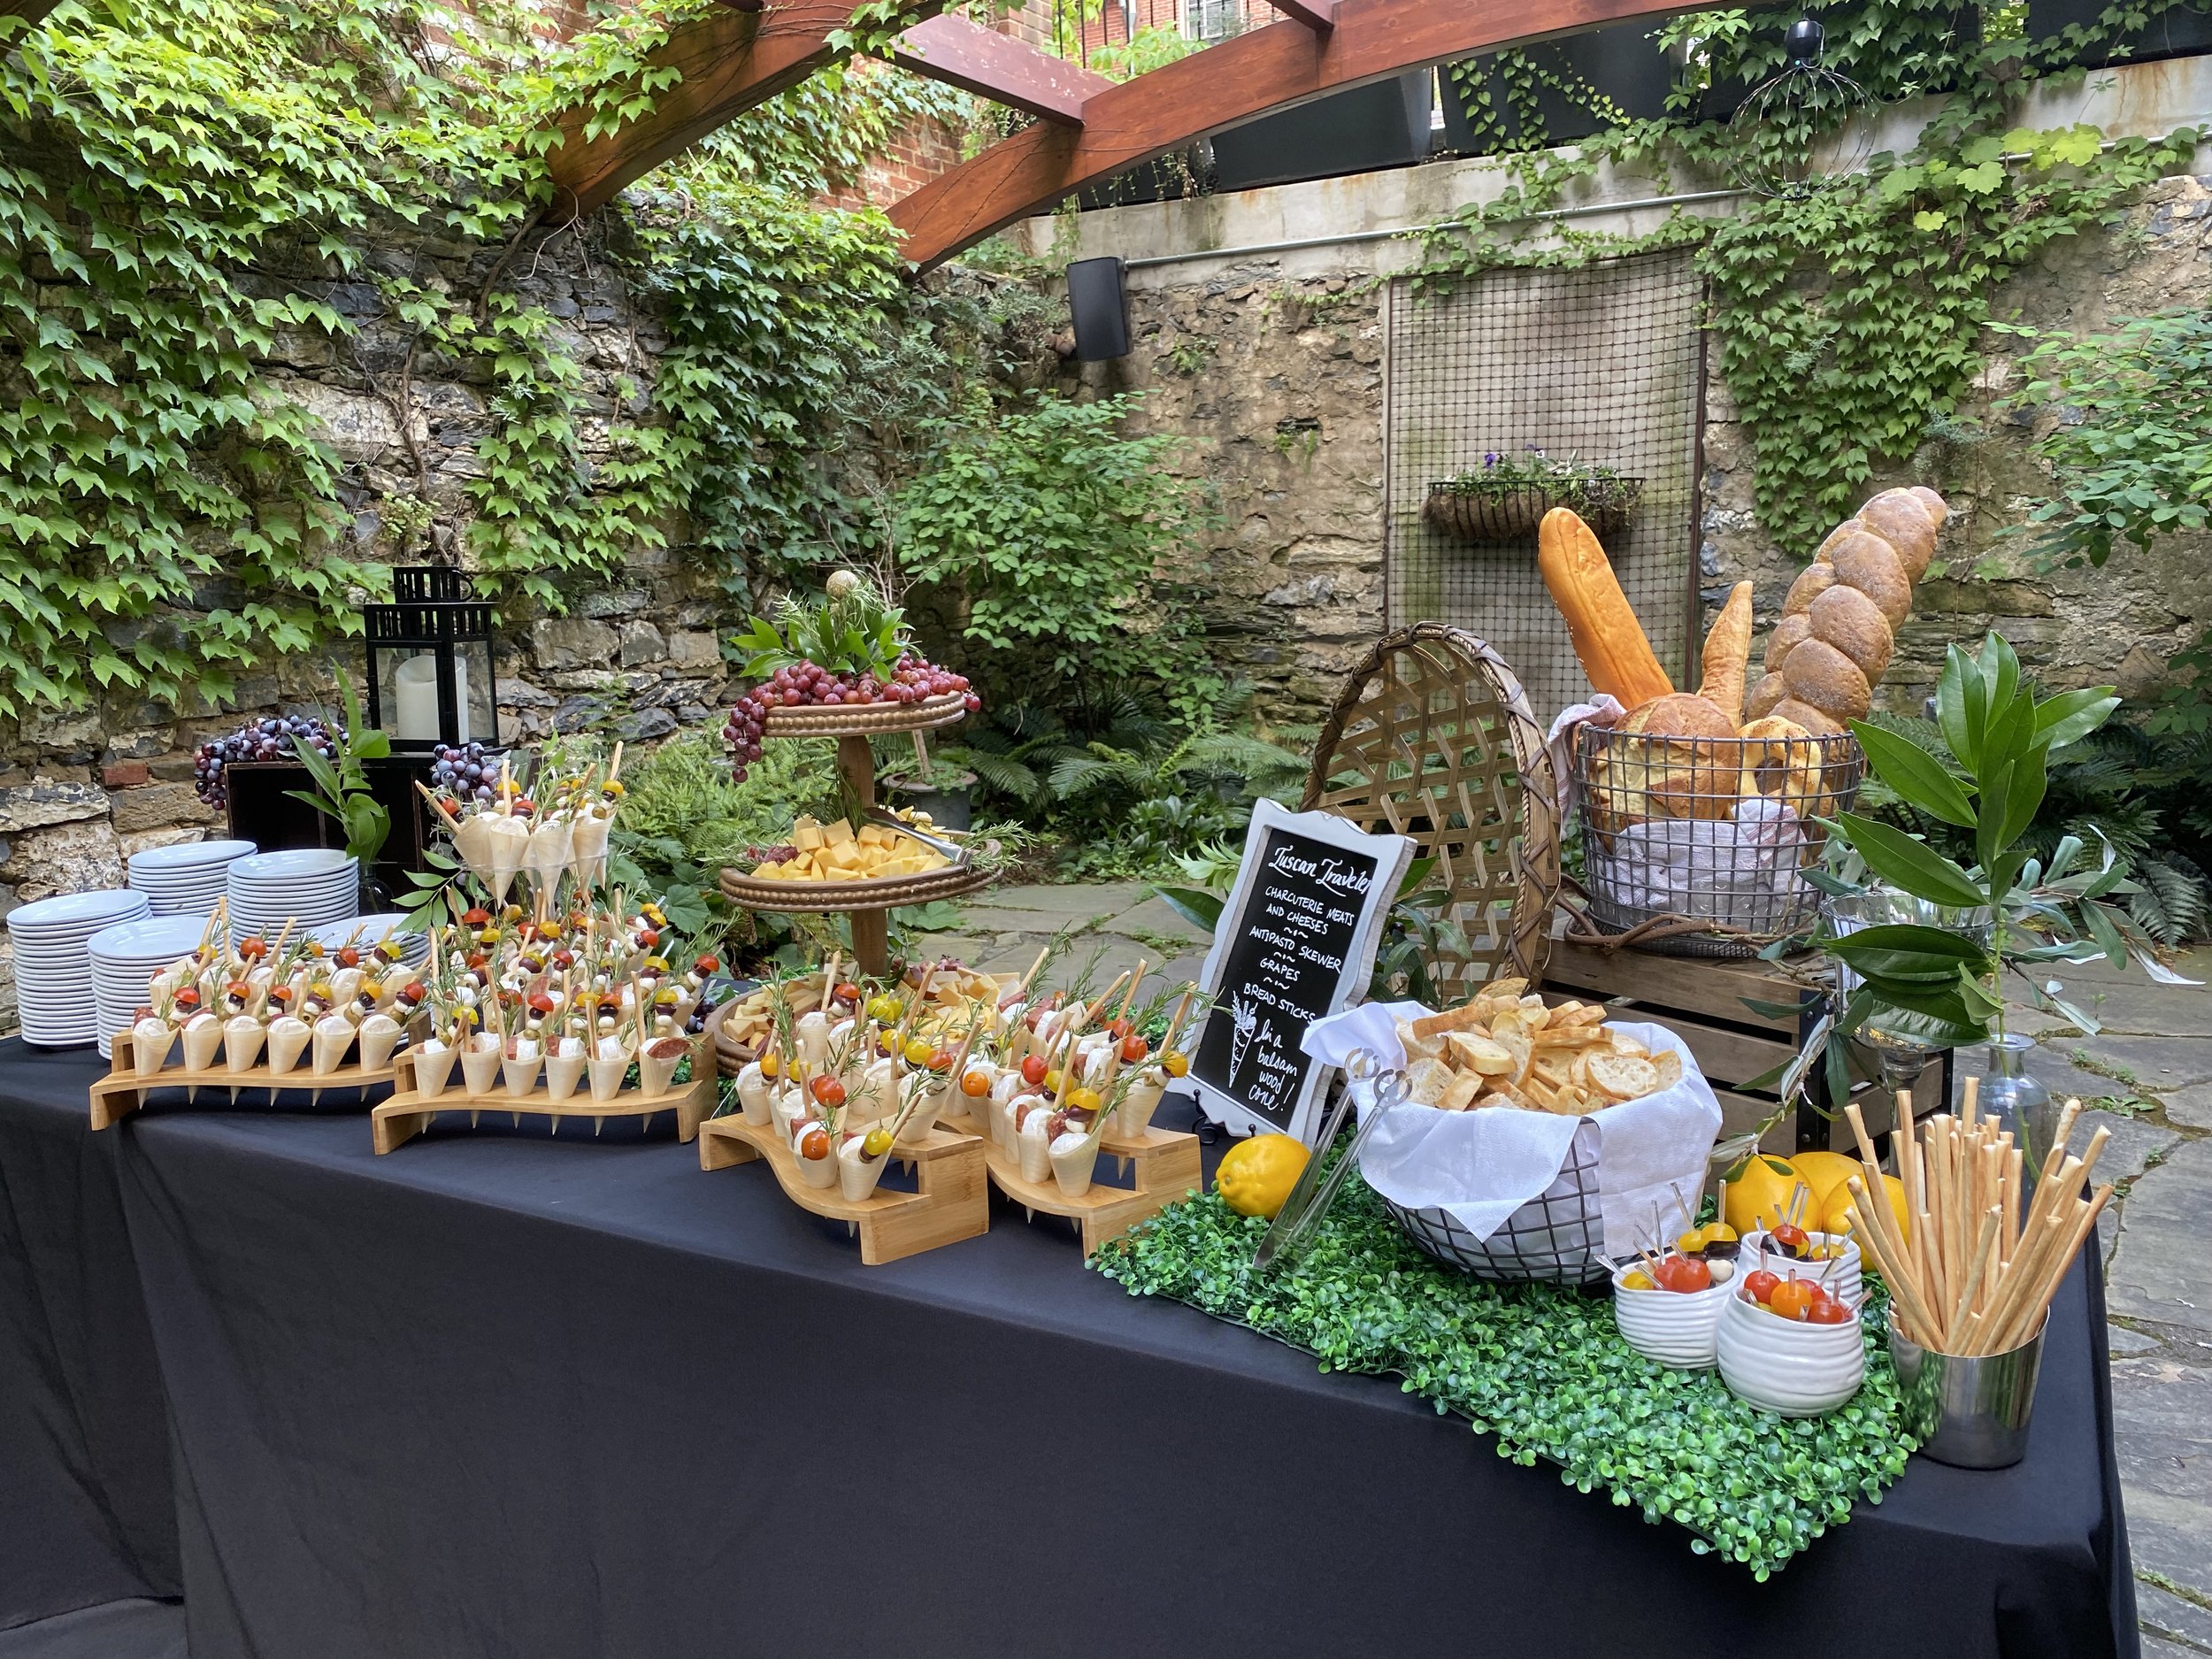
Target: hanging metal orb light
1799, 131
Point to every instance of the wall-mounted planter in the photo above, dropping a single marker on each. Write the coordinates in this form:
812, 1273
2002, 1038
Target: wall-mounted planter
1384, 125
1509, 517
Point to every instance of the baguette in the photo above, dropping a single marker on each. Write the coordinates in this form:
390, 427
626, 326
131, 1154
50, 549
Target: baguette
1727, 653
1607, 638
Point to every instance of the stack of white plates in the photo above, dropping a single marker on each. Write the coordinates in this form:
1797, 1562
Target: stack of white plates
367, 931
53, 973
185, 879
309, 887
126, 956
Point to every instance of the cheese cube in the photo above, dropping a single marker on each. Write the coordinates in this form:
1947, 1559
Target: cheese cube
836, 834
806, 835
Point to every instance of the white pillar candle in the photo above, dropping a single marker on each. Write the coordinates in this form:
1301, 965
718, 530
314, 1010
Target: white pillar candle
416, 688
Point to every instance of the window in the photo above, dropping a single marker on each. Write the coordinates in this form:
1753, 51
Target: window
1212, 20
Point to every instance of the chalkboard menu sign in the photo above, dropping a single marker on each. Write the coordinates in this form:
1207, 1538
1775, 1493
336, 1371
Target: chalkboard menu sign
1296, 942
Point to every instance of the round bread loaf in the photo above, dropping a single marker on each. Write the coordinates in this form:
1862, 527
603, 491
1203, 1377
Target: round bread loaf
1689, 765
1814, 581
1759, 702
1787, 633
1898, 517
1824, 678
1850, 526
1678, 714
1871, 566
1803, 714
1939, 510
1782, 762
1848, 620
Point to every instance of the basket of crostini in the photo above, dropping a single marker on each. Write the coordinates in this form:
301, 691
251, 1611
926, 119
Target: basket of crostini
1534, 1141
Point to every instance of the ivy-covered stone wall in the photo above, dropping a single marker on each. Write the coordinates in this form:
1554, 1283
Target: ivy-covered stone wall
1271, 366
80, 792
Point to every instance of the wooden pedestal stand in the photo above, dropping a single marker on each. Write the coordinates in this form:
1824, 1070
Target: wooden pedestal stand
122, 1092
867, 903
952, 1203
1166, 1165
408, 1114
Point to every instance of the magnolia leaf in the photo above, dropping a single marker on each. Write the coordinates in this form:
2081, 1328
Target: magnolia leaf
1916, 774
1904, 862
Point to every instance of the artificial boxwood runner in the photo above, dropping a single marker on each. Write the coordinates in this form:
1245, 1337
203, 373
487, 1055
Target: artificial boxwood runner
1542, 1368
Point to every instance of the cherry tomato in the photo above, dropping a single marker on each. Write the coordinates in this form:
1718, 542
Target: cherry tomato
349, 957
1684, 1273
476, 917
1828, 1310
941, 1059
1052, 1082
828, 1091
1793, 1298
1789, 1238
975, 1084
1033, 1070
252, 948
877, 1143
1118, 1029
187, 998
769, 1064
917, 1052
709, 963
1083, 1100
1133, 1048
1761, 1285
647, 939
814, 1145
1174, 1063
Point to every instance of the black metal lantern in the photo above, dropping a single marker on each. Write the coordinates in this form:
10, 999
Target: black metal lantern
1804, 128
430, 662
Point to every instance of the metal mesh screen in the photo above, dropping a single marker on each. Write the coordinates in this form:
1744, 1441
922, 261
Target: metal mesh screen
1601, 363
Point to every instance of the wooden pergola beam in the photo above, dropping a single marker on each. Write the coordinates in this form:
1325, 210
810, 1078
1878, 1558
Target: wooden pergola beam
998, 67
730, 60
31, 11
1246, 76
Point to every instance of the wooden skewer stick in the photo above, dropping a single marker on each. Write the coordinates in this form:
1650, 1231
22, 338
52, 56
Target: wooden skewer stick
1175, 1026
437, 806
1130, 995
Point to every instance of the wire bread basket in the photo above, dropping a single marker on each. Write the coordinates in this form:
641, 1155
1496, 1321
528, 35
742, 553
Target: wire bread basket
1713, 830
1553, 1239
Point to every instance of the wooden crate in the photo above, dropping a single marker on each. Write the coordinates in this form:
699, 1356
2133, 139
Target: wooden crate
1703, 1001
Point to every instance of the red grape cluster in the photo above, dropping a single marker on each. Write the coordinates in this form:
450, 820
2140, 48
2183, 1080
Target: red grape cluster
256, 739
913, 680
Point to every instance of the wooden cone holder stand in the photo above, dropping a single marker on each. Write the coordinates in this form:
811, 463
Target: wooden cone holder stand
1165, 1166
122, 1092
408, 1114
951, 1201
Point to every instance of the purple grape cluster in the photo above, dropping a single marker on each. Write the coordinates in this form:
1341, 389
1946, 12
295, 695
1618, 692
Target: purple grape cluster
269, 738
915, 680
464, 771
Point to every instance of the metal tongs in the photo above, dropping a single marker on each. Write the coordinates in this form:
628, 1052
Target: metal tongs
1301, 1216
936, 843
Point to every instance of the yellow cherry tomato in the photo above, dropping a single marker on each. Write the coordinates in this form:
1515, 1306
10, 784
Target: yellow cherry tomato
1083, 1100
1052, 1082
1175, 1062
769, 1064
917, 1052
877, 1143
1638, 1280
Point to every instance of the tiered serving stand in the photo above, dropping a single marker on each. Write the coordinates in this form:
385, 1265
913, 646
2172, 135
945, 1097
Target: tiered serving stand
408, 1112
867, 903
122, 1092
951, 1199
1163, 1165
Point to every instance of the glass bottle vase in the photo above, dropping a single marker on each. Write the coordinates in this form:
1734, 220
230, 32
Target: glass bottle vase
2017, 1100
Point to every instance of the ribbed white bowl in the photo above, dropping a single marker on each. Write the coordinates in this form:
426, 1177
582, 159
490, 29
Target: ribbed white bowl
1674, 1327
1779, 1365
1842, 1277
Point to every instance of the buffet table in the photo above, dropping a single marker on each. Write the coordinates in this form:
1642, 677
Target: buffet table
509, 1394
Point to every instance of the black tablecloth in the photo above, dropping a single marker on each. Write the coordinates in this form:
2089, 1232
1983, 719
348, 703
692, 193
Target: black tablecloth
518, 1396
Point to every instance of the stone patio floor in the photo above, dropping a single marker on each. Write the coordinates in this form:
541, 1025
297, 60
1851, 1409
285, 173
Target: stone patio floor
2147, 1077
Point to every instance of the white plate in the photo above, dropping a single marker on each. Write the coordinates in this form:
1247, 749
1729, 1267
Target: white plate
293, 865
190, 855
168, 936
67, 913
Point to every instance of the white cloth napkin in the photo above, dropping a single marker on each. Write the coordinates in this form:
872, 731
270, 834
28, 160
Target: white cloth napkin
1738, 870
1560, 740
1481, 1166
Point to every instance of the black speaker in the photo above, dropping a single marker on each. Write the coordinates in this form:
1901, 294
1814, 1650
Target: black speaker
1101, 305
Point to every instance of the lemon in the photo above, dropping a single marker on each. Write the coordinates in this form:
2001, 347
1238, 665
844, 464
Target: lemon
1837, 1217
1255, 1177
1825, 1173
1761, 1195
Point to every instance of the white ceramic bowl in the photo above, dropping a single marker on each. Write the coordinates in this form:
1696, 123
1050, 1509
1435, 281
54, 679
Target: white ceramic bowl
1677, 1328
1779, 1365
1842, 1274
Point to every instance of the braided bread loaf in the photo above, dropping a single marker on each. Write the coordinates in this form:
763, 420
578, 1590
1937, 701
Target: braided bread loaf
1838, 630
